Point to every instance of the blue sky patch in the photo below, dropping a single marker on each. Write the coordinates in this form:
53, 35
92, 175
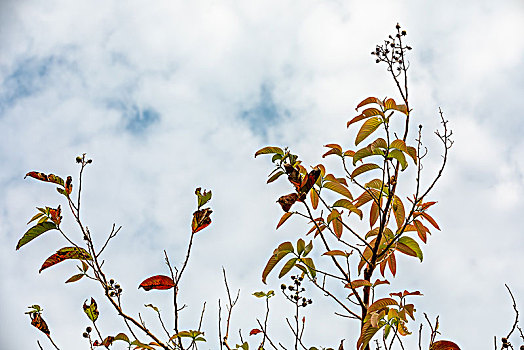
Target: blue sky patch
27, 78
136, 120
265, 113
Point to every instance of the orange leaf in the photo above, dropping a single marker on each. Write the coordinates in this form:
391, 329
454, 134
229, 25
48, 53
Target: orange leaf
368, 101
65, 254
337, 226
358, 283
431, 220
255, 331
38, 322
392, 263
335, 252
157, 282
283, 219
314, 199
373, 214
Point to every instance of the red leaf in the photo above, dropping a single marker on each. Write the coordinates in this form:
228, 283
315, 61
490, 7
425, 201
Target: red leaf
308, 183
157, 282
431, 220
444, 345
255, 331
201, 219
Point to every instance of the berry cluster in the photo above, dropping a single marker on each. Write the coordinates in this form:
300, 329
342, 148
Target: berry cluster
294, 292
393, 52
114, 289
86, 333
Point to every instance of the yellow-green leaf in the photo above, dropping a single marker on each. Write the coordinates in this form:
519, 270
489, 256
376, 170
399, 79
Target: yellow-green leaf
367, 129
35, 231
399, 144
398, 155
412, 244
364, 168
339, 188
287, 267
269, 150
344, 203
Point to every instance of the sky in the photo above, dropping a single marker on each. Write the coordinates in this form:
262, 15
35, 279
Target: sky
167, 96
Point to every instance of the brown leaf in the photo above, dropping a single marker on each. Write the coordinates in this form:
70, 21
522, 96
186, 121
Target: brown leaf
444, 345
308, 183
157, 282
201, 219
287, 201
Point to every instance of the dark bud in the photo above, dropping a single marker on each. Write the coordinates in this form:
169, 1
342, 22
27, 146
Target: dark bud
522, 347
283, 286
504, 340
89, 161
408, 47
112, 294
85, 335
295, 297
403, 32
117, 286
291, 288
79, 159
397, 26
111, 281
310, 301
392, 44
420, 126
293, 277
88, 329
119, 290
377, 61
301, 278
373, 53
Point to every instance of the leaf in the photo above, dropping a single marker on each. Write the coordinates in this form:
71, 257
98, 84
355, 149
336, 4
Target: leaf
375, 183
287, 267
269, 150
38, 322
65, 254
255, 331
335, 253
157, 282
365, 197
287, 201
391, 104
308, 183
366, 335
398, 155
358, 283
280, 252
301, 245
370, 112
107, 341
421, 230
38, 215
400, 145
339, 188
91, 310
122, 336
412, 152
335, 149
75, 278
373, 214
46, 178
337, 226
444, 345
344, 203
398, 211
34, 232
275, 176
381, 304
202, 198
392, 263
370, 100
431, 220
283, 219
140, 345
367, 129
314, 198
364, 168
310, 266
201, 219
413, 245
152, 306
308, 248
259, 294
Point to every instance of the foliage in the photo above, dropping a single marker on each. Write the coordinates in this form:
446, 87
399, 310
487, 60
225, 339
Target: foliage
351, 267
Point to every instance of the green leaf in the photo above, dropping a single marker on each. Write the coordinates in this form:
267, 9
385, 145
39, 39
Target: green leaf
308, 248
91, 310
412, 244
259, 294
310, 266
398, 155
364, 168
122, 336
367, 129
75, 278
141, 345
287, 267
65, 254
412, 152
152, 306
275, 176
399, 144
269, 150
300, 246
366, 335
339, 188
34, 232
280, 252
344, 203
37, 215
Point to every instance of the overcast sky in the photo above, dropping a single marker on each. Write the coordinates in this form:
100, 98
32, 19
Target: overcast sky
166, 96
